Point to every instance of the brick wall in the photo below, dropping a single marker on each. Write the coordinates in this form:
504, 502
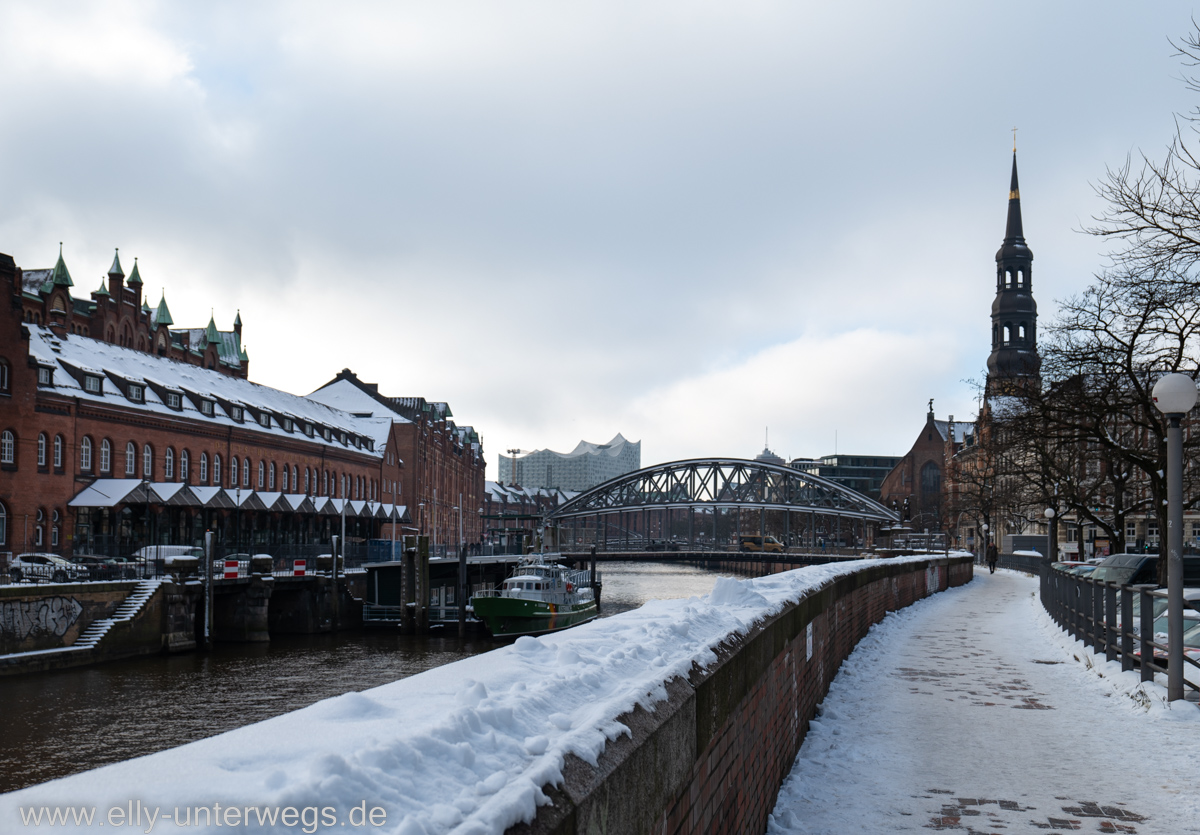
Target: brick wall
712, 757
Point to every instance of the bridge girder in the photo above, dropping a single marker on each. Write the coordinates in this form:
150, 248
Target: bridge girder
723, 483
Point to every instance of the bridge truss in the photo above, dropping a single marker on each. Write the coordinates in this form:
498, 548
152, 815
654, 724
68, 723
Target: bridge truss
712, 502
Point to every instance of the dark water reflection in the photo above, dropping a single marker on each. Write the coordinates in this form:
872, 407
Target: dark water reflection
60, 723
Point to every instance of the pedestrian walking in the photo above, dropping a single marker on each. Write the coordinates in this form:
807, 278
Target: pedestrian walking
992, 556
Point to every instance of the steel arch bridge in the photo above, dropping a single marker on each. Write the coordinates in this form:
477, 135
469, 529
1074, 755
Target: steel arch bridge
716, 488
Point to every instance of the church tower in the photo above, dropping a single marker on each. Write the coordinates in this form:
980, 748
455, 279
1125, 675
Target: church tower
1014, 361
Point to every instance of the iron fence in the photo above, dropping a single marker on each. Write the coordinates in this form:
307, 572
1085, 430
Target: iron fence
1093, 611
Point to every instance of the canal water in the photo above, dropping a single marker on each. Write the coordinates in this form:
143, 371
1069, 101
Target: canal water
56, 724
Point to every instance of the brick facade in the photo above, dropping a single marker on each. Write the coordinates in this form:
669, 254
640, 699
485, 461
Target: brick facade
50, 426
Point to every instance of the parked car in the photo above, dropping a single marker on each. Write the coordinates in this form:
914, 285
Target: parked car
101, 568
44, 568
1066, 565
1131, 569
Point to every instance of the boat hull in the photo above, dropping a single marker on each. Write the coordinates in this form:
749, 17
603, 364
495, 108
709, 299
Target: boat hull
509, 616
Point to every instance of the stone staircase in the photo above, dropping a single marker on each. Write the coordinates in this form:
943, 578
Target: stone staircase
96, 631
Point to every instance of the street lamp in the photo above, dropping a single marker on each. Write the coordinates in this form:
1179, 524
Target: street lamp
1052, 536
983, 539
1174, 395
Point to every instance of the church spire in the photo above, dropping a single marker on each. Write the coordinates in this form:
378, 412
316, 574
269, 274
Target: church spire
1014, 234
1014, 354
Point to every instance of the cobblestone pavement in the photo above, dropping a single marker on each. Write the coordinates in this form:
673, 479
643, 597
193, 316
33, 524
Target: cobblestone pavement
962, 715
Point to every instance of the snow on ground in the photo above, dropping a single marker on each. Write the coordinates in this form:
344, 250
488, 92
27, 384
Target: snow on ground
463, 748
973, 712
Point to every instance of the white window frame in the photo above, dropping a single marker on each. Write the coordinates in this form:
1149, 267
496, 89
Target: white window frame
85, 454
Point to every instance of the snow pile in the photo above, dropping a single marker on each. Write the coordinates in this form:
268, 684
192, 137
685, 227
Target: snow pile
465, 747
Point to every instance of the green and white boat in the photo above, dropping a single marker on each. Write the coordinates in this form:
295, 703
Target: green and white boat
539, 597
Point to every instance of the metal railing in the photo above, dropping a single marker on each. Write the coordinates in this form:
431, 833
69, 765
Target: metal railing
1093, 611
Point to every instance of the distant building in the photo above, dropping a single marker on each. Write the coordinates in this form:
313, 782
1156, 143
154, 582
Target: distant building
580, 469
862, 473
770, 457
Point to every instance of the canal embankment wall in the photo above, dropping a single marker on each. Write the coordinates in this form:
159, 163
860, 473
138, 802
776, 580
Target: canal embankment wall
713, 756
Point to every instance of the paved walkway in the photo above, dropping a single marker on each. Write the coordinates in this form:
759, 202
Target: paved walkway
971, 713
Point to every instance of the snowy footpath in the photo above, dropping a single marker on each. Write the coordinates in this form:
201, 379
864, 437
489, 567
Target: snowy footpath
973, 712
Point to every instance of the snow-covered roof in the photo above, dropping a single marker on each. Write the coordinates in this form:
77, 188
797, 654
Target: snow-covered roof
961, 429
73, 357
32, 281
350, 398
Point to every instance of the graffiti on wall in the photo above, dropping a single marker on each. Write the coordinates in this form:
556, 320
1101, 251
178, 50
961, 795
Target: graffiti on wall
21, 619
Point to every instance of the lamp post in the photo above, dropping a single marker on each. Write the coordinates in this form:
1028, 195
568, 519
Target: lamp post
1174, 395
1052, 536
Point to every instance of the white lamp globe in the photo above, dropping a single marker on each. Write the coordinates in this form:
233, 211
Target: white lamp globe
1175, 394
1049, 513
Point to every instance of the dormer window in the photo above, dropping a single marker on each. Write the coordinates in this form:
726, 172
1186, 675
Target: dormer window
343, 439
235, 412
308, 429
137, 394
264, 420
206, 408
173, 400
287, 424
328, 434
45, 376
91, 384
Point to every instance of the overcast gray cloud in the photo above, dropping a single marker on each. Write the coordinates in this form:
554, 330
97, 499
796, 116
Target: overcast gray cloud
681, 221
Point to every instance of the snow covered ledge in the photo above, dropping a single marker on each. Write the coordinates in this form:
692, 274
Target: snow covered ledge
668, 718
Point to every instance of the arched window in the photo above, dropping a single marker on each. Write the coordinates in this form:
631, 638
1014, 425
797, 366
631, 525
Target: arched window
3, 524
931, 479
185, 470
1020, 278
169, 464
271, 484
1021, 331
325, 484
130, 459
5, 379
37, 528
204, 468
246, 472
233, 471
306, 481
85, 454
105, 456
8, 447
54, 517
217, 469
295, 478
58, 451
1008, 333
41, 449
262, 474
147, 462
1008, 278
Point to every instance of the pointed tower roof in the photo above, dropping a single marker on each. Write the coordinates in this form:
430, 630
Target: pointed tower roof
115, 269
237, 320
1014, 246
134, 277
145, 304
103, 291
163, 315
60, 275
211, 331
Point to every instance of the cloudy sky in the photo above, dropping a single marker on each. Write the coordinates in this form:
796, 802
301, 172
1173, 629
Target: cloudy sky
682, 221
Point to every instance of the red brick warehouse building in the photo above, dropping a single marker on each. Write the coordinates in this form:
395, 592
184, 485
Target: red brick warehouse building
117, 429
